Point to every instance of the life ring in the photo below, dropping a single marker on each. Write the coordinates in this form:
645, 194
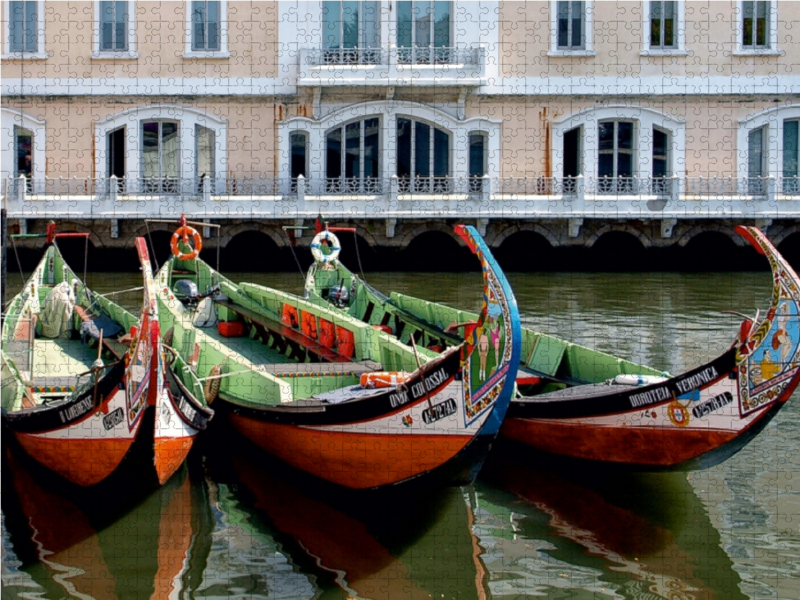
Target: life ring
316, 247
184, 232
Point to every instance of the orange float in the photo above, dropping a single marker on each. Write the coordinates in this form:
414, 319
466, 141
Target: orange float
183, 233
384, 379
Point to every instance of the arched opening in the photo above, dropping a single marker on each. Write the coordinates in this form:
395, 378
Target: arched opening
527, 251
790, 249
433, 251
715, 251
618, 251
252, 251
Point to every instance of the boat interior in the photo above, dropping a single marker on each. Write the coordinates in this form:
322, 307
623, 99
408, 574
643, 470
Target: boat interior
268, 347
548, 363
51, 335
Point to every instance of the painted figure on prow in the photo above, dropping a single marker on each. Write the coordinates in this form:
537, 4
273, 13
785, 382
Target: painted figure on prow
782, 340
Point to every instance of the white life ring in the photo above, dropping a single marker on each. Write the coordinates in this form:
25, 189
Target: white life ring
316, 247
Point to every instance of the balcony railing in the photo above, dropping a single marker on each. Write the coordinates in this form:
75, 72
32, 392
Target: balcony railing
255, 184
417, 55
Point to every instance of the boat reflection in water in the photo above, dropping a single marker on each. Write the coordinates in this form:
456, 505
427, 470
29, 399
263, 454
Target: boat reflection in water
354, 545
625, 534
122, 540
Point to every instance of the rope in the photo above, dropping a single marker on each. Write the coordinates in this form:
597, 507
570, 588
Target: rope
152, 246
358, 256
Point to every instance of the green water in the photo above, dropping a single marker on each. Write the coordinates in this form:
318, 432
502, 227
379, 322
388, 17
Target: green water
236, 524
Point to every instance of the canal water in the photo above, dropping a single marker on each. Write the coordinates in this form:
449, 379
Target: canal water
235, 523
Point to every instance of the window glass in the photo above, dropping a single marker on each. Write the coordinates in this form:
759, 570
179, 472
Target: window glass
755, 153
422, 150
791, 144
206, 25
113, 25
23, 26
570, 23
477, 155
205, 151
662, 24
755, 24
24, 152
572, 152
660, 156
298, 141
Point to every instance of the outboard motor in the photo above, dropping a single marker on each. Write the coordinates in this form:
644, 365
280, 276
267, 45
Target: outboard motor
339, 296
186, 291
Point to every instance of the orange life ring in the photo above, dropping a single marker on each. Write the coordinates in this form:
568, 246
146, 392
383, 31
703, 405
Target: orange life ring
184, 232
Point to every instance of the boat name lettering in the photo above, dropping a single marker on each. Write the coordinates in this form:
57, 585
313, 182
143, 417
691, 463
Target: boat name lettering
650, 397
715, 403
113, 419
431, 382
439, 411
75, 411
187, 410
695, 381
398, 399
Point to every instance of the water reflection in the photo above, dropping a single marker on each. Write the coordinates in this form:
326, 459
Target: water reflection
621, 535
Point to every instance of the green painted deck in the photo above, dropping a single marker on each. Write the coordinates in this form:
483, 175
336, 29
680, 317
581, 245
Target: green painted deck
252, 350
61, 358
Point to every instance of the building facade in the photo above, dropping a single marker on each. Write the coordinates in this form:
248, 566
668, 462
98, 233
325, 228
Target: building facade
565, 118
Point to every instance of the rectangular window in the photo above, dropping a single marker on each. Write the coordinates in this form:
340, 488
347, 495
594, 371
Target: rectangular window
23, 33
755, 153
615, 149
114, 26
298, 141
755, 25
791, 144
572, 152
663, 25
660, 153
422, 27
360, 161
570, 26
205, 151
351, 32
206, 25
23, 163
160, 156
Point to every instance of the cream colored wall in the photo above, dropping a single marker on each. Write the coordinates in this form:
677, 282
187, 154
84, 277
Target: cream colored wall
711, 128
160, 42
710, 39
70, 150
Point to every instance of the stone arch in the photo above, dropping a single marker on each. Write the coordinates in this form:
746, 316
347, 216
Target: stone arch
692, 232
274, 232
426, 227
782, 233
507, 232
620, 228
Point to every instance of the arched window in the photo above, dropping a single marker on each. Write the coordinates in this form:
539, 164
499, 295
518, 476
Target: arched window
423, 156
353, 157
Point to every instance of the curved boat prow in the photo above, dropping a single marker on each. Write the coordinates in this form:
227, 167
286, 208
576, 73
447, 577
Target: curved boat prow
491, 351
768, 359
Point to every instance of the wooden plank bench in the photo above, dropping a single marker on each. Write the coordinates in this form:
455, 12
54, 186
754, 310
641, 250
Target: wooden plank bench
296, 339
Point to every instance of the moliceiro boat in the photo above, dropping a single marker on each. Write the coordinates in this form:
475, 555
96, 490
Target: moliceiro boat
583, 404
79, 372
331, 395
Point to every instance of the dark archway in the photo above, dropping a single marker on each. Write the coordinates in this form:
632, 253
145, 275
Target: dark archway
715, 251
790, 249
528, 251
435, 251
252, 252
618, 251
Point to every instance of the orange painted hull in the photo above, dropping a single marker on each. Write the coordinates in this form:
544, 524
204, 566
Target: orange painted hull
351, 459
625, 445
169, 455
85, 462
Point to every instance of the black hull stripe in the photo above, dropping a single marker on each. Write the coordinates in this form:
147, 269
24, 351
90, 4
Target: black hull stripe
59, 416
354, 411
622, 400
189, 410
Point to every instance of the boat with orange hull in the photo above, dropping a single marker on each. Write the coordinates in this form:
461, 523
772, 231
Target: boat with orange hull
79, 371
287, 373
580, 403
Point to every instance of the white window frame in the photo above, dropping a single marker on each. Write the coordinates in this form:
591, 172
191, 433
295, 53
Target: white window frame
680, 29
361, 147
13, 118
772, 34
129, 54
39, 53
644, 120
388, 111
616, 151
431, 154
223, 33
588, 46
773, 119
